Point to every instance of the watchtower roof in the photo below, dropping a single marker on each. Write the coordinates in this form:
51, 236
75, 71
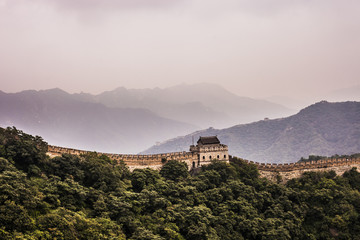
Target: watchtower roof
208, 140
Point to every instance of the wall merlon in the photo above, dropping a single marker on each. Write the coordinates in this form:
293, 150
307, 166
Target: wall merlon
134, 161
155, 161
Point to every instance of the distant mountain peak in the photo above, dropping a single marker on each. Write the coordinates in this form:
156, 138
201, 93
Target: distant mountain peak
324, 105
324, 128
119, 89
57, 91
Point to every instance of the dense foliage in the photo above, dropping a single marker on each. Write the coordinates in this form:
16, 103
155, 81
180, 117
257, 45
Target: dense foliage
93, 197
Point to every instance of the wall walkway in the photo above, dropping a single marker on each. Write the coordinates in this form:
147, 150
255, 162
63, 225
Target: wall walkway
287, 171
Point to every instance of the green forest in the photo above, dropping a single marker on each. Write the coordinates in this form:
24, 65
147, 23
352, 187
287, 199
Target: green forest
94, 197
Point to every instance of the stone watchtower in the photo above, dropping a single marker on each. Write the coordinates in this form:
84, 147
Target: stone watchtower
207, 149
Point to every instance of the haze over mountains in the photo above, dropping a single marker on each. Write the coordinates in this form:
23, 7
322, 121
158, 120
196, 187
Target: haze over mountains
131, 120
204, 104
63, 120
339, 95
128, 121
320, 129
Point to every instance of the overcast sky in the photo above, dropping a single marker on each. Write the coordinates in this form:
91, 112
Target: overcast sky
256, 48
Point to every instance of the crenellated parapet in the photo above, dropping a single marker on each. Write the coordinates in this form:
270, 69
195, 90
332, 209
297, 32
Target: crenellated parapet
268, 170
287, 171
133, 161
208, 149
287, 167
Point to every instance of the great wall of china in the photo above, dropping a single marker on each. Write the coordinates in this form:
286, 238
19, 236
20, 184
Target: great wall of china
288, 171
272, 172
133, 161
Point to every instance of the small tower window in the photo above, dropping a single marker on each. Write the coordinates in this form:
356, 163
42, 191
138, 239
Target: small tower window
224, 156
203, 157
218, 157
210, 157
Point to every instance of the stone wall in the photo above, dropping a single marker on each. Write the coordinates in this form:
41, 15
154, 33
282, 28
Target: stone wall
133, 161
325, 163
287, 171
210, 153
286, 176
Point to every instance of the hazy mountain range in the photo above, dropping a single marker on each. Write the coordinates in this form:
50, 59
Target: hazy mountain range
340, 95
204, 105
131, 120
128, 121
320, 129
62, 120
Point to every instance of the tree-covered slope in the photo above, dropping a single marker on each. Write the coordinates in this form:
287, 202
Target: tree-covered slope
93, 197
320, 129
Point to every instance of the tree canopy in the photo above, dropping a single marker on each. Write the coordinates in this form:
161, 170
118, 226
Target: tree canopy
94, 197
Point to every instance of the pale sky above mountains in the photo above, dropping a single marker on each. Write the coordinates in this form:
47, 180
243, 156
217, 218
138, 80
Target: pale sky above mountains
253, 48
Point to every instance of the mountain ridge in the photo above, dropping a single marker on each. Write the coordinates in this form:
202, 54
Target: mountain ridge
63, 120
201, 104
336, 130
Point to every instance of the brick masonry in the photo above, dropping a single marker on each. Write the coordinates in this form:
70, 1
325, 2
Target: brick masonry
287, 171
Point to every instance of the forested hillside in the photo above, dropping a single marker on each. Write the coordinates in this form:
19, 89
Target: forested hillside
93, 197
323, 128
